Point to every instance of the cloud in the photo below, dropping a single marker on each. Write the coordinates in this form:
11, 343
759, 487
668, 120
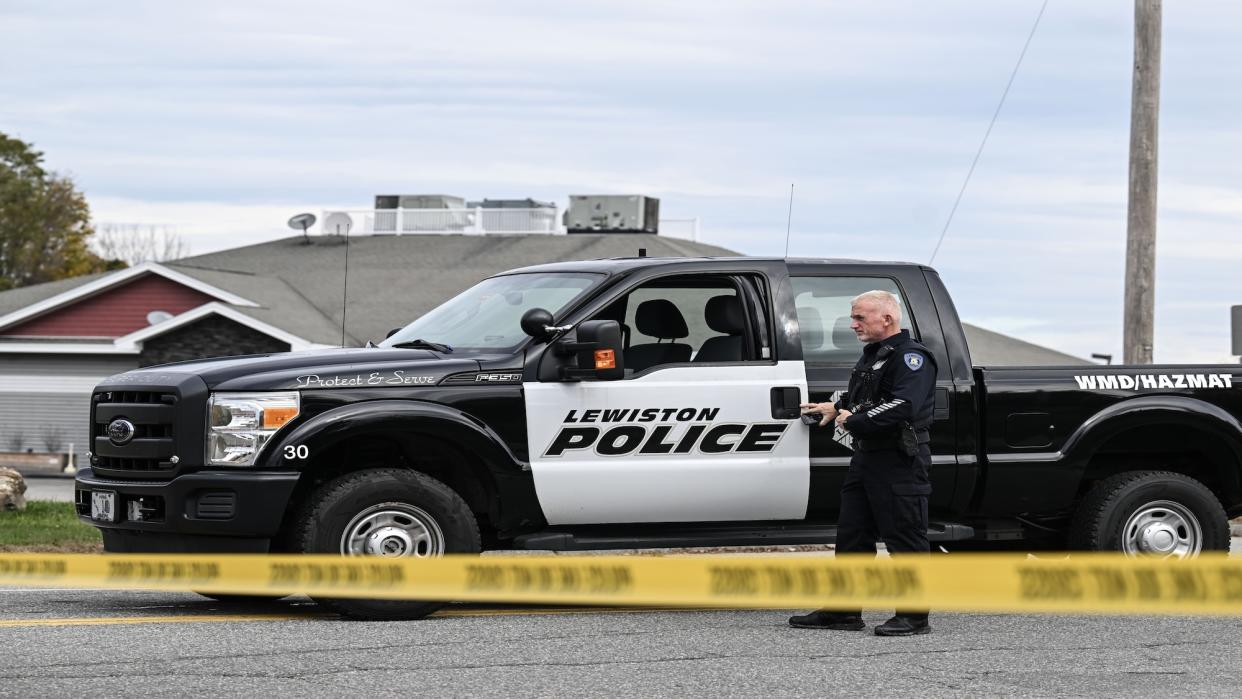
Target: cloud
223, 120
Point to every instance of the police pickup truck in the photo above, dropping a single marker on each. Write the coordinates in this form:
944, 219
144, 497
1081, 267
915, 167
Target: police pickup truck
644, 402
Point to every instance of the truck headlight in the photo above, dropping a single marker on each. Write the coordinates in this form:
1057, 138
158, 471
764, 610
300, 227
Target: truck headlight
239, 424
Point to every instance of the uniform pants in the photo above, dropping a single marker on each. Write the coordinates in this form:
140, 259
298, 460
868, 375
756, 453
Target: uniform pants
884, 498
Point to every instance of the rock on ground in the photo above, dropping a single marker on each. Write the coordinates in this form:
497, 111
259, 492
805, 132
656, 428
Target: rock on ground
12, 490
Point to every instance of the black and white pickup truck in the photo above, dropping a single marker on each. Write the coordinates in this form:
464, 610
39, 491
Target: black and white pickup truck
645, 402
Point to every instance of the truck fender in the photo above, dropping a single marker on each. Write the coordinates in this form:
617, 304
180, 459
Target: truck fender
325, 430
1154, 411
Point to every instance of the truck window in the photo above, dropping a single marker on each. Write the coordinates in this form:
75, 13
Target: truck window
488, 315
699, 320
823, 305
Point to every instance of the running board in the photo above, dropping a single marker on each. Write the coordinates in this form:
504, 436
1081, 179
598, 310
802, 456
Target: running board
670, 536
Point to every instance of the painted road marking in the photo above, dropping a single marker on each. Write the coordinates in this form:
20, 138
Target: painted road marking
6, 590
449, 613
225, 618
121, 620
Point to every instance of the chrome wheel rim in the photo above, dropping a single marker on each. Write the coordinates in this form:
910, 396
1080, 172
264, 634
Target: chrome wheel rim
393, 530
1162, 529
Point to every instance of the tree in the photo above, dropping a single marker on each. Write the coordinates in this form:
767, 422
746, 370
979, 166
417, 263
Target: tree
44, 222
135, 243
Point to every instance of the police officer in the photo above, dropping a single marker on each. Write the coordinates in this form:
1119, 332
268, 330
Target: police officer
886, 411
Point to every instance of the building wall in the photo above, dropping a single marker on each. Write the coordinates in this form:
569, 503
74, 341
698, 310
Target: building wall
212, 336
115, 312
46, 399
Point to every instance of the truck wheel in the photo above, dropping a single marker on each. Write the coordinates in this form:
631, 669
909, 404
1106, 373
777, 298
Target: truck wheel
385, 512
1150, 513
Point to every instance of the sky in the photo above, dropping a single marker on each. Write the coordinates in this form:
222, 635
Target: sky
221, 120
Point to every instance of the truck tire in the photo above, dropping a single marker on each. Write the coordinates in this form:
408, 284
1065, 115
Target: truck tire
1150, 513
385, 512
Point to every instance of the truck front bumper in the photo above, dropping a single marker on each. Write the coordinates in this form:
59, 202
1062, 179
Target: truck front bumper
207, 511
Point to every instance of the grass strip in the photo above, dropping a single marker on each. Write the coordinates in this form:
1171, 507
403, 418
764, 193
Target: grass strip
47, 527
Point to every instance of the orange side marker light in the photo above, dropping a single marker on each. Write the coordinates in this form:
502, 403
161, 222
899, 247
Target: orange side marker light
605, 359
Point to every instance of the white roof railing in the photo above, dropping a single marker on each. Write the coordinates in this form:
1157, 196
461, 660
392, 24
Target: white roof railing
474, 221
469, 221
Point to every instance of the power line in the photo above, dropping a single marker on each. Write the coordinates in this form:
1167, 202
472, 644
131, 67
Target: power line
987, 133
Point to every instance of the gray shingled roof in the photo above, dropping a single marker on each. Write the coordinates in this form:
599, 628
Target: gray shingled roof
394, 279
17, 299
988, 348
280, 303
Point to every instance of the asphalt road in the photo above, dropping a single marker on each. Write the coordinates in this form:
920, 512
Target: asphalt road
97, 642
56, 489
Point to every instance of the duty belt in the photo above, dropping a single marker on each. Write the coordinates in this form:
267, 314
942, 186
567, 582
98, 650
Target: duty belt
882, 443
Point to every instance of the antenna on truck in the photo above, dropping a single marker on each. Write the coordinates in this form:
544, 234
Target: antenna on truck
789, 219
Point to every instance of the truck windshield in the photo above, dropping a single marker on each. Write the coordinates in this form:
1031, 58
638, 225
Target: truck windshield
488, 315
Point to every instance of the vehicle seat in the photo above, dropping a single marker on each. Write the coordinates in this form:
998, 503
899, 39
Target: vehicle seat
811, 328
658, 318
724, 315
843, 338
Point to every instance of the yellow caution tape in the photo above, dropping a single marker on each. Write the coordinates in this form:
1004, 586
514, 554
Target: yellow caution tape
1085, 583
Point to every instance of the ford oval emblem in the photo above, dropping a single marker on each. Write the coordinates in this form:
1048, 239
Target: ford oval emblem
120, 431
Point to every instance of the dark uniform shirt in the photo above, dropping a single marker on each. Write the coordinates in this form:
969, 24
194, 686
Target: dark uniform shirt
895, 380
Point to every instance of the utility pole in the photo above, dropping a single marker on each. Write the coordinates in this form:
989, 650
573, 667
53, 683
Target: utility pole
1140, 294
1235, 328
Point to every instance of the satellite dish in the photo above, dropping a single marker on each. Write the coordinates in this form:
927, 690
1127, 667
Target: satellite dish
337, 223
157, 317
302, 221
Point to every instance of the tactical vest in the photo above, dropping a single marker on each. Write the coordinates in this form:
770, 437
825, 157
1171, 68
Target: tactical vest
866, 391
864, 388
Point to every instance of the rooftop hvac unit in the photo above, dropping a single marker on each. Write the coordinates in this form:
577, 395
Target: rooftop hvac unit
612, 213
431, 201
412, 213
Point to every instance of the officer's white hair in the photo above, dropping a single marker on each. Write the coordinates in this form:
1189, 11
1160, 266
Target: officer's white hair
885, 301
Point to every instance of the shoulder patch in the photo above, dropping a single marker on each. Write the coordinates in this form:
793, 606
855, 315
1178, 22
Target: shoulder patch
914, 360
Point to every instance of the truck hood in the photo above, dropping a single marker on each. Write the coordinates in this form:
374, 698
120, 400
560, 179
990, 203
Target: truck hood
312, 369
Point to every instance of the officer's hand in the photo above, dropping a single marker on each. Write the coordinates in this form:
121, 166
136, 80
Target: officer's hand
841, 416
827, 411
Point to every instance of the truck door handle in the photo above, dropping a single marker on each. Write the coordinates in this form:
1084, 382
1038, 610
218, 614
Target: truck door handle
785, 402
941, 411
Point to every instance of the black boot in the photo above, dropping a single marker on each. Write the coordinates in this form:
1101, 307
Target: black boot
827, 619
904, 625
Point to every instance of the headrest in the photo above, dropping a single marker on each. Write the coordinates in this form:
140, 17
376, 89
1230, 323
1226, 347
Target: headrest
811, 326
660, 318
842, 336
724, 315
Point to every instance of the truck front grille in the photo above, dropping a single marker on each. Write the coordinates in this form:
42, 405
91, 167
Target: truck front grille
153, 445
